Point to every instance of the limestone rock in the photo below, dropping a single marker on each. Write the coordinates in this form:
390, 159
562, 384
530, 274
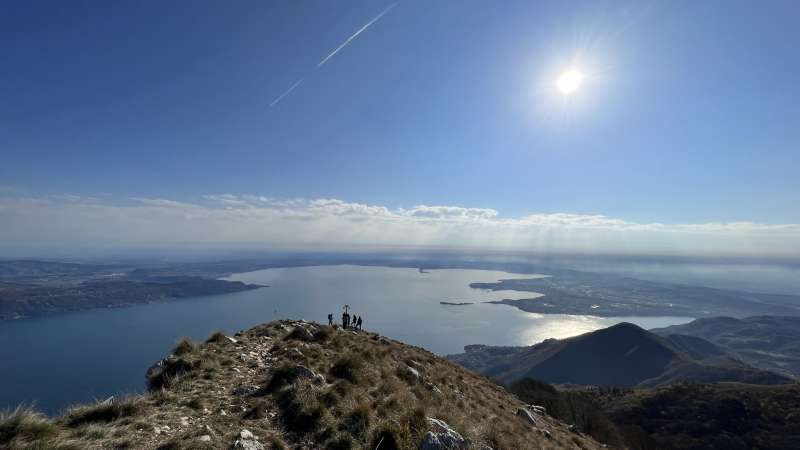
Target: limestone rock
304, 372
443, 437
248, 441
527, 415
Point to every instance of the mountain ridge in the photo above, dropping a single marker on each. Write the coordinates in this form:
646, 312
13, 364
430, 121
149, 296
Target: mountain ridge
302, 385
622, 355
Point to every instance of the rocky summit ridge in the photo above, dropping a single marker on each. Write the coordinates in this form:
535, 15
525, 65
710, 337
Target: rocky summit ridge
300, 385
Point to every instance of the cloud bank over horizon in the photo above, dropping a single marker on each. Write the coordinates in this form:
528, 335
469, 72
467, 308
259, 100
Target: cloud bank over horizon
227, 219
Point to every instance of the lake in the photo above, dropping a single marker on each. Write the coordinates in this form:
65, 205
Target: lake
59, 360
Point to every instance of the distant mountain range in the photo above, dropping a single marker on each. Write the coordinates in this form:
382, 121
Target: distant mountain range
623, 355
768, 342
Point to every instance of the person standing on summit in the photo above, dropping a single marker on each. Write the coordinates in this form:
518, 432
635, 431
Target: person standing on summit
346, 317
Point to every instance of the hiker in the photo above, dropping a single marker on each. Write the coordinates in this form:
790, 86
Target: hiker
359, 322
345, 319
330, 320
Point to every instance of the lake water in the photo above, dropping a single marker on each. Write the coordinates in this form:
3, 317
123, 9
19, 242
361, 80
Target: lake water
70, 358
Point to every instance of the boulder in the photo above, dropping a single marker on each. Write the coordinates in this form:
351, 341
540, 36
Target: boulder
409, 374
301, 334
527, 415
443, 437
248, 444
247, 441
433, 388
246, 434
304, 372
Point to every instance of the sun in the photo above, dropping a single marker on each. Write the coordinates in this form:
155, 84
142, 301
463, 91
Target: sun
569, 81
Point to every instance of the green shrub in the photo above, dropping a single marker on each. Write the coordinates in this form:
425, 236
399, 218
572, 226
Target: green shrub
282, 376
347, 368
390, 437
299, 413
323, 334
357, 421
341, 442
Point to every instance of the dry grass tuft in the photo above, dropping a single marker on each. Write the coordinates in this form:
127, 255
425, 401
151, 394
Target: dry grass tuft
347, 368
24, 424
218, 337
184, 346
105, 412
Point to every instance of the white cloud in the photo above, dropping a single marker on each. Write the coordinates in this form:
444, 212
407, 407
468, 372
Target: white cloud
449, 212
245, 219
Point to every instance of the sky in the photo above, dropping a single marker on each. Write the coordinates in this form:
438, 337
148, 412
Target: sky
402, 123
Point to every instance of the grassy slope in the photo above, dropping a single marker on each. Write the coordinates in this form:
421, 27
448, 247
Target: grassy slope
684, 416
721, 416
218, 388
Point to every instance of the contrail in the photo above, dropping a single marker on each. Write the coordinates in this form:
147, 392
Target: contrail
288, 91
331, 55
361, 30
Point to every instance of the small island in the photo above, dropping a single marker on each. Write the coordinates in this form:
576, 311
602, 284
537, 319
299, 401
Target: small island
456, 303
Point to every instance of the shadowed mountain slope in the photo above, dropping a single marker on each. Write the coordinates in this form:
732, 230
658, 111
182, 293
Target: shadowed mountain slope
767, 342
621, 355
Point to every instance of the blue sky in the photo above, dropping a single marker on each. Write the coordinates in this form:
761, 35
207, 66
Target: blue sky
690, 113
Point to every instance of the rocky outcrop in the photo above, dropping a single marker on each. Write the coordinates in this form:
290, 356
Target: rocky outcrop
248, 441
443, 437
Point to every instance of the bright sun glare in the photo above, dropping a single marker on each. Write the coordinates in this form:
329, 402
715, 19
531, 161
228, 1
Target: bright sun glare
569, 81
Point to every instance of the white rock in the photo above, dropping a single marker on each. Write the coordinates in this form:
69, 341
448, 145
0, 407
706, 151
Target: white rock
304, 372
435, 389
246, 434
527, 415
159, 430
233, 341
443, 437
204, 438
248, 444
410, 373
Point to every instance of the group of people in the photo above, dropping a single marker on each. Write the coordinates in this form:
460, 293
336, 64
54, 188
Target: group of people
348, 321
